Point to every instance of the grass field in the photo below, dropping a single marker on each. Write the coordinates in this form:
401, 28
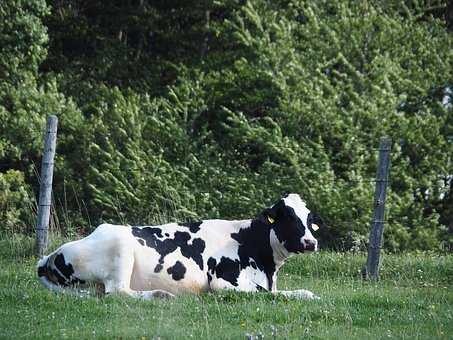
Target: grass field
413, 300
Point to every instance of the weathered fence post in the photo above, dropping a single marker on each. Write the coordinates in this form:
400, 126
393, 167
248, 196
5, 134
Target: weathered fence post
371, 270
45, 189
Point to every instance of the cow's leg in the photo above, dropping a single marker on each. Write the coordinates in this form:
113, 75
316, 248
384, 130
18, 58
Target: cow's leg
151, 294
300, 294
112, 287
119, 281
141, 294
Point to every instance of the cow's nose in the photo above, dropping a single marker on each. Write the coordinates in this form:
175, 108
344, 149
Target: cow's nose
311, 245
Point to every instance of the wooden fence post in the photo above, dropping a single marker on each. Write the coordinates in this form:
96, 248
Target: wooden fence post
371, 270
45, 189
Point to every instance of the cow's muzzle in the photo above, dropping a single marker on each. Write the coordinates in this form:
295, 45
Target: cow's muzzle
310, 245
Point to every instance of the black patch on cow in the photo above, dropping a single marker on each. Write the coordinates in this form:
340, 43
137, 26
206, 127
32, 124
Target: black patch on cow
255, 249
177, 271
167, 234
141, 242
62, 272
158, 268
193, 226
64, 269
152, 237
228, 270
211, 264
165, 246
60, 279
194, 251
211, 268
42, 271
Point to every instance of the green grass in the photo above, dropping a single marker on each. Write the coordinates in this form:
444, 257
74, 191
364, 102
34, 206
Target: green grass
414, 300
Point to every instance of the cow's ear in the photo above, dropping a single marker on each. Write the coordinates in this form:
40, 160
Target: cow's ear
268, 216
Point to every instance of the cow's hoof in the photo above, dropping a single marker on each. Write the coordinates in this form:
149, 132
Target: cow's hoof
309, 296
162, 294
303, 294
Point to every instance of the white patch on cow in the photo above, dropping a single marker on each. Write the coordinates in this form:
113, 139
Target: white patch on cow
250, 278
294, 201
280, 253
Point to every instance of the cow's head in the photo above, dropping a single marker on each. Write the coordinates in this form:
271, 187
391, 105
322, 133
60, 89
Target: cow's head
291, 225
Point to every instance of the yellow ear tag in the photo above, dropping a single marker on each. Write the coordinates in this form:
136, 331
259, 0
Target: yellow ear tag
270, 219
314, 226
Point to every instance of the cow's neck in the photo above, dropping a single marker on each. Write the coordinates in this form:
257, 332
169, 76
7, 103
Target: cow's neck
279, 252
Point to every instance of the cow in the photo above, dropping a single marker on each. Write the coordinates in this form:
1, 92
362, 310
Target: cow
173, 259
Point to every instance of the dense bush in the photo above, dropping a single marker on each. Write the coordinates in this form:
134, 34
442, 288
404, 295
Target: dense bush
16, 206
183, 112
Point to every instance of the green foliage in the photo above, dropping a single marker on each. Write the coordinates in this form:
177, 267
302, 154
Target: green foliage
127, 168
16, 205
336, 95
22, 37
215, 110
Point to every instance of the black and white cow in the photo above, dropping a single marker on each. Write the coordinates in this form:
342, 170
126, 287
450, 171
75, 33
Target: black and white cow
172, 259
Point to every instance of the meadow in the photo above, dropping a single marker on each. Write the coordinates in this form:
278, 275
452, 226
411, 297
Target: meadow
413, 300
185, 110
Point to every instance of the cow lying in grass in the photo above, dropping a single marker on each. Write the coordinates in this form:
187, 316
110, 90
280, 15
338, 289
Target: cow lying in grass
172, 259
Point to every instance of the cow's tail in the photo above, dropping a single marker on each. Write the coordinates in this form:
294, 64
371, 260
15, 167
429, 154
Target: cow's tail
46, 274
